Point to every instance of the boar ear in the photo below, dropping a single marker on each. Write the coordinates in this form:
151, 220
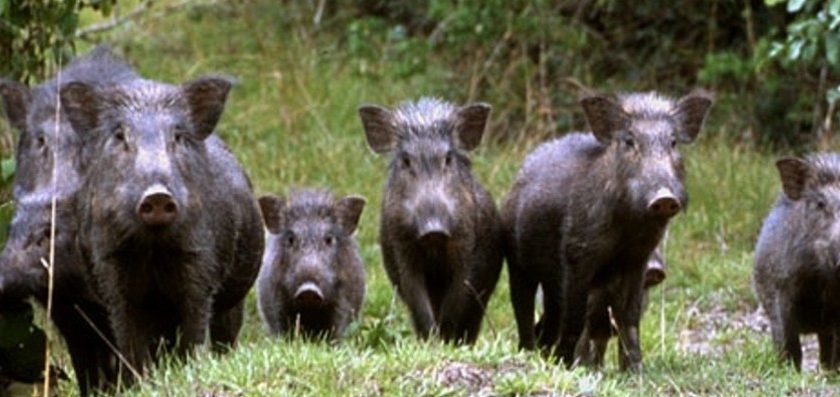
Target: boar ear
206, 97
472, 120
379, 128
691, 112
604, 116
349, 211
271, 207
795, 174
15, 99
81, 104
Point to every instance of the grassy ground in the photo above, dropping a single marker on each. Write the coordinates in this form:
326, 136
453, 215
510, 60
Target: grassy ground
292, 121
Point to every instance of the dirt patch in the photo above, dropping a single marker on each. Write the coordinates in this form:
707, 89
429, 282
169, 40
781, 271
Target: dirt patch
464, 376
708, 331
470, 379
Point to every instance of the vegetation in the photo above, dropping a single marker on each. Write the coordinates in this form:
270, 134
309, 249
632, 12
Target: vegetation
292, 121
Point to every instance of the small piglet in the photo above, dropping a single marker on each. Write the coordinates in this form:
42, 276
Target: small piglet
312, 278
797, 259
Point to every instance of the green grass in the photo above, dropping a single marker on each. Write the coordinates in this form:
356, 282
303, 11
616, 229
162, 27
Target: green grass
292, 121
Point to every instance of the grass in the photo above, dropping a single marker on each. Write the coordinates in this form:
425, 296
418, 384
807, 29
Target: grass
292, 121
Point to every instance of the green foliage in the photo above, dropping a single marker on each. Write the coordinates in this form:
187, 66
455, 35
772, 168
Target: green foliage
811, 43
814, 36
23, 346
37, 35
530, 57
36, 38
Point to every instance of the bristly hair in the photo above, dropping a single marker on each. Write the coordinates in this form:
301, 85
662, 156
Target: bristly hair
100, 66
144, 95
826, 167
424, 117
646, 104
310, 203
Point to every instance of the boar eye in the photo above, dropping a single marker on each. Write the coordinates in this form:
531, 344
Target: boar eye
820, 204
119, 133
290, 239
179, 133
41, 141
43, 239
629, 142
406, 162
448, 160
673, 143
329, 240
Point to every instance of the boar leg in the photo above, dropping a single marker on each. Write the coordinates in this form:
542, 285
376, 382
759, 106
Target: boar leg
552, 314
826, 339
523, 292
835, 357
627, 318
413, 291
225, 326
575, 295
791, 348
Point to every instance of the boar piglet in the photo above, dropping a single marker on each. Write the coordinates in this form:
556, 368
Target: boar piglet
312, 279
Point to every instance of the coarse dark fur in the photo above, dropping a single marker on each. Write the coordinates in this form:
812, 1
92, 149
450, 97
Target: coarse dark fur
797, 259
581, 215
439, 232
311, 245
48, 146
164, 284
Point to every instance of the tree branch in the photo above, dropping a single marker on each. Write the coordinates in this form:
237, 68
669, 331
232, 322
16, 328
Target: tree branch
116, 21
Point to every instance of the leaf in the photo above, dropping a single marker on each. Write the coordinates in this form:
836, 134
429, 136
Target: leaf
832, 48
771, 3
7, 169
795, 49
809, 51
795, 5
833, 94
776, 50
23, 346
834, 7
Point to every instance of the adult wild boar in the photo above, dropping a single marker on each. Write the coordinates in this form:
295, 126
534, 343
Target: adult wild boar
168, 226
440, 232
48, 159
797, 259
588, 209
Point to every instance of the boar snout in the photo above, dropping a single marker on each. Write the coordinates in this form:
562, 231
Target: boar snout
433, 232
157, 207
309, 295
664, 204
654, 276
